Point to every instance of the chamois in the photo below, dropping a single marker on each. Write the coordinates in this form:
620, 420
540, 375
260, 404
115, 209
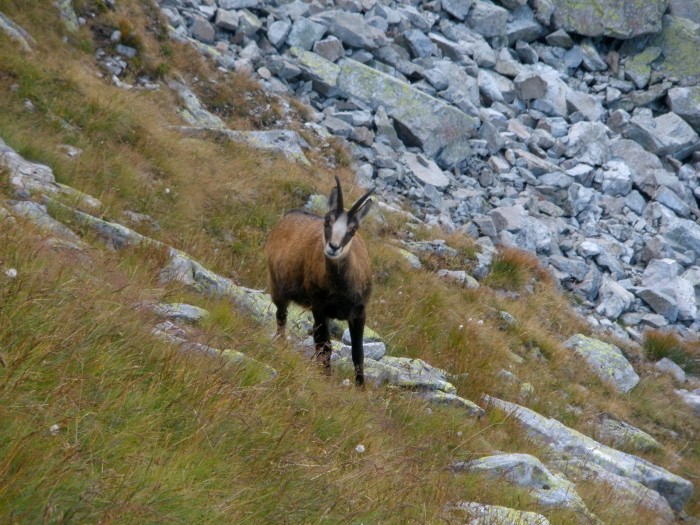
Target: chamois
320, 263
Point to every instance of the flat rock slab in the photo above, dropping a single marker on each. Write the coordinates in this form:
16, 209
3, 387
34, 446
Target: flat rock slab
625, 489
571, 443
615, 18
480, 514
528, 472
606, 360
422, 120
425, 170
33, 178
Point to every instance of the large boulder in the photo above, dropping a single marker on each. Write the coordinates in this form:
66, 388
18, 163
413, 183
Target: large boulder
528, 472
685, 102
570, 443
667, 134
613, 18
606, 360
679, 41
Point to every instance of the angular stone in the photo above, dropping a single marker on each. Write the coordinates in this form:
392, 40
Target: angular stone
278, 32
305, 33
679, 41
617, 179
181, 312
620, 434
203, 31
329, 48
585, 104
441, 398
457, 8
628, 490
352, 29
480, 514
425, 170
621, 19
605, 360
528, 472
418, 44
685, 102
227, 20
322, 72
669, 367
571, 443
487, 19
421, 120
614, 300
588, 143
544, 85
662, 303
667, 134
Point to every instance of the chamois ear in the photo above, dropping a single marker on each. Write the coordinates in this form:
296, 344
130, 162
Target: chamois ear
361, 208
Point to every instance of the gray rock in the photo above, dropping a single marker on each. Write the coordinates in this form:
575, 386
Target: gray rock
669, 367
459, 276
667, 134
523, 27
624, 19
373, 350
614, 300
605, 360
588, 143
628, 490
457, 8
617, 179
329, 48
509, 218
689, 9
441, 398
31, 178
425, 170
203, 31
487, 19
227, 20
559, 38
351, 29
544, 85
238, 4
480, 514
571, 443
585, 104
181, 312
528, 472
418, 44
323, 73
618, 434
685, 102
421, 119
305, 33
661, 302
248, 24
284, 142
278, 32
38, 215
691, 399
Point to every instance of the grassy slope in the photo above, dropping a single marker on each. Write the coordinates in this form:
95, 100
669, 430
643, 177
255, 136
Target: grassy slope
149, 435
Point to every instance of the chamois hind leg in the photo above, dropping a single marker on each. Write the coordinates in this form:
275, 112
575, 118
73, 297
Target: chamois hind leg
281, 316
356, 323
322, 341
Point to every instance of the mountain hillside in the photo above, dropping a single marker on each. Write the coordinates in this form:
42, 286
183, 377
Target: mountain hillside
146, 151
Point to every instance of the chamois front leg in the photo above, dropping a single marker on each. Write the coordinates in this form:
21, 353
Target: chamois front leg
356, 323
322, 341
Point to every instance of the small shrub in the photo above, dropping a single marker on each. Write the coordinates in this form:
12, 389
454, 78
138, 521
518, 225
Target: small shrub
512, 269
659, 344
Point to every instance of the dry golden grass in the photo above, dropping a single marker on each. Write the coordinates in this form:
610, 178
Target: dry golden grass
149, 435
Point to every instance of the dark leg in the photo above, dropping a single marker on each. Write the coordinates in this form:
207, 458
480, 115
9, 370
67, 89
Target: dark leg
322, 341
281, 317
356, 323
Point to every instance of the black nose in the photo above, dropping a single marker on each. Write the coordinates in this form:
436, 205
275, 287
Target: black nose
333, 247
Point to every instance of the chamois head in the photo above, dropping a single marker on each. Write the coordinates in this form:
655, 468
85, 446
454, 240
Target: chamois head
340, 226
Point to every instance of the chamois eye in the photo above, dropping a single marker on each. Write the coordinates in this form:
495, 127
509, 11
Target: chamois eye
327, 221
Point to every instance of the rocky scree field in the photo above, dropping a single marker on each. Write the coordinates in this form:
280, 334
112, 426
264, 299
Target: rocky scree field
139, 376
